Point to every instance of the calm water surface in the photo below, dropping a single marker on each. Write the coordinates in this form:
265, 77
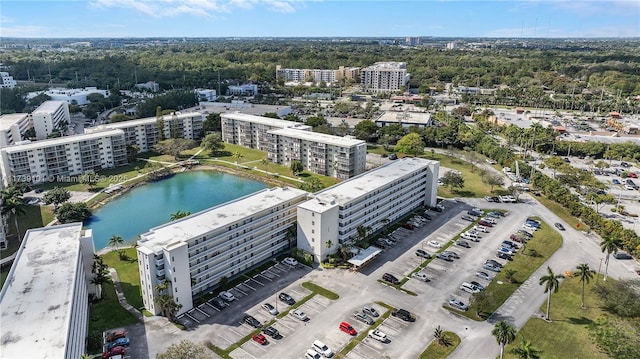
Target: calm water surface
151, 205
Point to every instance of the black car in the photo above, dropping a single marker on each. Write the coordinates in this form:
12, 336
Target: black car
559, 226
503, 256
218, 303
427, 216
286, 298
493, 262
404, 315
388, 277
393, 156
271, 331
463, 243
252, 321
423, 254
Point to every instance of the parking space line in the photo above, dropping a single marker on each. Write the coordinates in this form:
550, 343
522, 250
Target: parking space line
281, 322
235, 331
211, 306
270, 272
202, 311
240, 348
246, 285
298, 293
236, 288
265, 277
366, 344
192, 318
259, 346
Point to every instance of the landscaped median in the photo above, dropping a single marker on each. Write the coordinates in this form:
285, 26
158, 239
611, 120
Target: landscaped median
363, 334
529, 258
315, 290
441, 350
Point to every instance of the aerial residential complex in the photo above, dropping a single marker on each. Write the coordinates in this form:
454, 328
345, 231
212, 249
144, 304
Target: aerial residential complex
385, 76
328, 155
251, 131
49, 116
58, 158
193, 253
45, 295
317, 75
12, 127
371, 200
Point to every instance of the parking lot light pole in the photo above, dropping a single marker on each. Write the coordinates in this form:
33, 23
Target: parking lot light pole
599, 267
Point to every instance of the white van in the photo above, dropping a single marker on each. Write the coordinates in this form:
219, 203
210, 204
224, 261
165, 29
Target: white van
322, 348
471, 236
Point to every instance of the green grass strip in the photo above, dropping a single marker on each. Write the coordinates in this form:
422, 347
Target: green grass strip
319, 290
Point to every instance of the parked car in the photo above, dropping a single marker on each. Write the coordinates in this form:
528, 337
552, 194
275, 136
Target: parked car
444, 256
347, 328
434, 244
525, 233
322, 349
495, 214
423, 254
252, 321
427, 216
632, 175
421, 276
452, 254
393, 156
480, 228
490, 220
622, 255
271, 331
404, 315
311, 354
559, 226
363, 318
463, 243
478, 285
270, 308
388, 277
510, 245
227, 296
485, 223
113, 352
506, 250
492, 267
517, 238
381, 243
468, 218
469, 288
290, 261
615, 181
120, 342
458, 304
470, 236
260, 338
502, 255
299, 314
494, 262
116, 335
370, 311
408, 226
377, 335
284, 297
484, 275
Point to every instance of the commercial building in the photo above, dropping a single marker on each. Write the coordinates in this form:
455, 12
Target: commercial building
251, 131
75, 96
243, 90
60, 158
385, 76
406, 118
144, 132
44, 301
12, 127
327, 155
7, 81
194, 253
49, 117
370, 200
206, 95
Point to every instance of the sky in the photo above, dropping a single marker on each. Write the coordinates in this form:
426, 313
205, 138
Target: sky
319, 18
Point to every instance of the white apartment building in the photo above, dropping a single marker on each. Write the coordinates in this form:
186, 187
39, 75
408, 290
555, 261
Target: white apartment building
12, 127
144, 132
373, 199
243, 90
206, 95
193, 253
7, 81
44, 301
385, 76
48, 117
316, 75
251, 131
58, 158
75, 96
328, 155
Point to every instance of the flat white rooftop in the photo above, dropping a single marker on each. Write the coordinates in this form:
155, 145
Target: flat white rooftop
62, 140
408, 117
318, 137
35, 302
364, 183
6, 121
215, 217
273, 122
141, 121
48, 107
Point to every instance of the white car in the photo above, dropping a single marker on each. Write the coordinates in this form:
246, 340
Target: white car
434, 244
490, 220
377, 335
480, 228
322, 348
227, 296
290, 261
297, 313
456, 303
270, 308
529, 228
421, 276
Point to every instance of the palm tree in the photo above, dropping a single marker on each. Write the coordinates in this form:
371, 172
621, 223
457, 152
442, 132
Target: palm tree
610, 245
329, 243
526, 351
505, 333
237, 156
585, 274
552, 284
11, 202
441, 338
115, 241
265, 163
180, 214
508, 275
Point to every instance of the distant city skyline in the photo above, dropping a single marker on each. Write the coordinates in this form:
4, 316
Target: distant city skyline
317, 18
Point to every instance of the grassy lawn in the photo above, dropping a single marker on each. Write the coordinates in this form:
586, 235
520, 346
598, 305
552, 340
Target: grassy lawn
567, 336
319, 290
436, 351
473, 185
128, 275
545, 242
558, 210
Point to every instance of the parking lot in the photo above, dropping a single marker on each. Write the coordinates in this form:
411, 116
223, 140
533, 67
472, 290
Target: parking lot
371, 348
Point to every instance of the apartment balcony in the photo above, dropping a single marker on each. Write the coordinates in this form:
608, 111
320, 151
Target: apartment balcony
160, 272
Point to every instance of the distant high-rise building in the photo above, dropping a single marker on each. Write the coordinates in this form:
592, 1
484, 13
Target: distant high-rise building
385, 76
413, 41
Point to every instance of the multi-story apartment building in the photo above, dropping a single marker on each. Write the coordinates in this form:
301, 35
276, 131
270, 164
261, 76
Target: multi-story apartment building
144, 132
7, 81
44, 302
194, 253
59, 158
49, 116
385, 76
317, 75
328, 155
251, 131
12, 127
371, 200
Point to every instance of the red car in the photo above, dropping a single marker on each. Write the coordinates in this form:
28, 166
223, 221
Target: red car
633, 175
112, 352
485, 223
408, 226
347, 328
516, 238
260, 339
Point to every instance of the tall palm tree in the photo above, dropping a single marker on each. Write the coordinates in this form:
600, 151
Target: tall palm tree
11, 202
610, 245
526, 351
552, 284
237, 156
116, 241
585, 274
265, 163
505, 333
180, 214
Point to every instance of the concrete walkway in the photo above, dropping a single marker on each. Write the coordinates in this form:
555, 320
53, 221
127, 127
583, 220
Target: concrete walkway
121, 297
